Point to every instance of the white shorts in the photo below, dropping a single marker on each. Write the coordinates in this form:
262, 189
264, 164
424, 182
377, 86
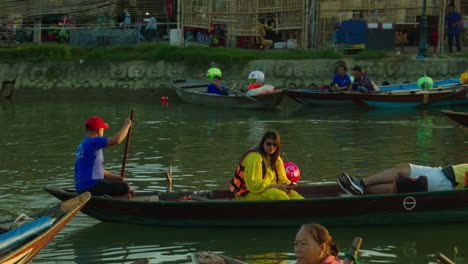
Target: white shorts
436, 179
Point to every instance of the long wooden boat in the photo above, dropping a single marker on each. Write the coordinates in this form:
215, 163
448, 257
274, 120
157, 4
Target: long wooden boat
194, 92
459, 117
413, 99
319, 98
22, 248
324, 204
209, 257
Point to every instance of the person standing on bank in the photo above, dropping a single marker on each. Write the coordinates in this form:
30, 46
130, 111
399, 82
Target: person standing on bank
90, 176
453, 21
260, 174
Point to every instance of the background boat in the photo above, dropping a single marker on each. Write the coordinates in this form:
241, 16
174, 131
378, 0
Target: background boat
315, 97
194, 92
325, 204
20, 246
459, 117
411, 99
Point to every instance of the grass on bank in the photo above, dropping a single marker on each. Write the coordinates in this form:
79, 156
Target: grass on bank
193, 55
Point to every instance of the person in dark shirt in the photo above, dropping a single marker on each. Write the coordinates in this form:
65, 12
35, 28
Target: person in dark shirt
217, 87
362, 83
341, 81
453, 20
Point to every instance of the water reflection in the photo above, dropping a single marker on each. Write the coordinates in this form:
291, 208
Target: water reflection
38, 139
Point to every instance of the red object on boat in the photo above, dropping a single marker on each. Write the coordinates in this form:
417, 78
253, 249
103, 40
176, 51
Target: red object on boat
164, 100
292, 172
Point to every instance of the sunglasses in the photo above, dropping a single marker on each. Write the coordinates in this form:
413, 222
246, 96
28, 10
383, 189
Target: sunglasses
271, 144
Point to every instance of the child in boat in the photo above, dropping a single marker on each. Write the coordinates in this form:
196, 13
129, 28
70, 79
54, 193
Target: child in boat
314, 245
260, 174
341, 81
407, 178
217, 87
90, 176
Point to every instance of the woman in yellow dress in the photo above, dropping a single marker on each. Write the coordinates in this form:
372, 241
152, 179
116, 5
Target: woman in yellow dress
260, 174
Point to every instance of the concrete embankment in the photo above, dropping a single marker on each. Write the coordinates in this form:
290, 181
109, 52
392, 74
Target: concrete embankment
145, 78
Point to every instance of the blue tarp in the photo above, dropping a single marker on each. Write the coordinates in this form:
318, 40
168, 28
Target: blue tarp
24, 232
352, 32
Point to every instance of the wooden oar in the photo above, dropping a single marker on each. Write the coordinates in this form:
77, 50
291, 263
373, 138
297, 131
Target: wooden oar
443, 259
351, 255
127, 144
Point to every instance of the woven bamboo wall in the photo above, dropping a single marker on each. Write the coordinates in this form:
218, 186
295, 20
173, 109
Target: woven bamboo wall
83, 12
393, 11
242, 15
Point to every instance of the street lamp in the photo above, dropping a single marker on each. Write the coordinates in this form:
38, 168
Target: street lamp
423, 33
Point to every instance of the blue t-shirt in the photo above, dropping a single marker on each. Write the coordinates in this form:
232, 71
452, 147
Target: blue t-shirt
451, 19
342, 81
212, 89
88, 162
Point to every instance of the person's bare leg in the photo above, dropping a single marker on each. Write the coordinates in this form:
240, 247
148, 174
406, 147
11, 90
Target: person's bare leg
388, 176
385, 188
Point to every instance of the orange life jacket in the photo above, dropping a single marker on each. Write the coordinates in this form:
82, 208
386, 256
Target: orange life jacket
238, 186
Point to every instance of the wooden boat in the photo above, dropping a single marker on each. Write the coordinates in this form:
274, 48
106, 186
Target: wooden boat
324, 204
319, 98
459, 117
209, 257
23, 249
194, 92
413, 99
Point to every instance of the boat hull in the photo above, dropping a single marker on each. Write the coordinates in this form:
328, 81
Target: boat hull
413, 100
195, 94
311, 97
459, 117
429, 207
27, 251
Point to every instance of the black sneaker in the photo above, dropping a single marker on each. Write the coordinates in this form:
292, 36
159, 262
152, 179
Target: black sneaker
355, 182
347, 185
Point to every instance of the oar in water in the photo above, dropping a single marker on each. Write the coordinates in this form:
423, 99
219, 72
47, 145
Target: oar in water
127, 144
351, 255
443, 259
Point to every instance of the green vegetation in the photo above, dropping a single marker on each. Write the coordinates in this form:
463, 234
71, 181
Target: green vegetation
193, 55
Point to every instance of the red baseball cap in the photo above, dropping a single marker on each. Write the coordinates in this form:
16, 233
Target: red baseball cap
95, 123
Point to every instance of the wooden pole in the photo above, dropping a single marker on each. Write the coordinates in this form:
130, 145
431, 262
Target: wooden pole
443, 259
127, 144
353, 251
169, 179
441, 29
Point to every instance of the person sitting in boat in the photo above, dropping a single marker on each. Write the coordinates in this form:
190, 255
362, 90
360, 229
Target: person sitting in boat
406, 178
362, 83
314, 245
217, 87
341, 81
260, 174
90, 176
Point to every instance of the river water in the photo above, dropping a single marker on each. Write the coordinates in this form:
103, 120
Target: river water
38, 139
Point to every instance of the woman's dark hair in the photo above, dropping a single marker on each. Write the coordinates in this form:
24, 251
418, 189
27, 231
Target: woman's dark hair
321, 235
276, 137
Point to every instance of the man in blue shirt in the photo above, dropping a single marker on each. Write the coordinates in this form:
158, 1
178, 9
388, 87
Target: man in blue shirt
217, 87
453, 21
89, 174
341, 81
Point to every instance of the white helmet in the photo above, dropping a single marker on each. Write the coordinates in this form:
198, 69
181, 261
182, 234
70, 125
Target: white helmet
256, 77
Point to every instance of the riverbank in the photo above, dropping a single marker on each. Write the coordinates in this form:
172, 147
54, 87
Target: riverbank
143, 70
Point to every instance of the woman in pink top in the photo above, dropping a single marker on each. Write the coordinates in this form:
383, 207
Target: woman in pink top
314, 245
